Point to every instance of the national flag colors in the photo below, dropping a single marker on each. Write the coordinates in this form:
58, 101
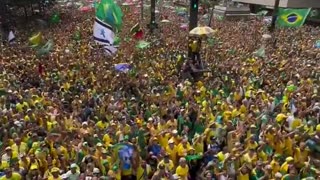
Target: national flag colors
108, 21
110, 13
11, 37
292, 17
103, 34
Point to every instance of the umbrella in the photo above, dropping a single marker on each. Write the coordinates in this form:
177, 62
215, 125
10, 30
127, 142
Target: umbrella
143, 45
165, 21
202, 31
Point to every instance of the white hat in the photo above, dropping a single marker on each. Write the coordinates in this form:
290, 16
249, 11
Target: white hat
84, 123
17, 123
175, 131
278, 175
176, 176
96, 170
74, 165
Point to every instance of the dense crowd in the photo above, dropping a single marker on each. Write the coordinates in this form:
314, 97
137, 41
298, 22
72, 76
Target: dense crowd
65, 115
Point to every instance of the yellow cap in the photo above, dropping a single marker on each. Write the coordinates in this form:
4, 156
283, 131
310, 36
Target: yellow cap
55, 169
33, 167
288, 159
280, 117
318, 128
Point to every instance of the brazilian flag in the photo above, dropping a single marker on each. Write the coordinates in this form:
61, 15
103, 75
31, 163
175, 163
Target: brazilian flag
292, 17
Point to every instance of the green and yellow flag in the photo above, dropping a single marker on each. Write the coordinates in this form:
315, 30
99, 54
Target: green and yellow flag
292, 17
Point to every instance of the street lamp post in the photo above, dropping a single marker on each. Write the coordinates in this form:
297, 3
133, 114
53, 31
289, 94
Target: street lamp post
193, 18
153, 25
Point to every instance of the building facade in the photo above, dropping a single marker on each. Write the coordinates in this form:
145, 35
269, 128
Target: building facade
285, 3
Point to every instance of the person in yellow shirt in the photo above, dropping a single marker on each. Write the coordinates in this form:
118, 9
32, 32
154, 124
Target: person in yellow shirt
243, 173
143, 171
107, 140
289, 141
171, 150
98, 151
9, 175
102, 124
162, 125
55, 174
210, 132
198, 144
285, 166
24, 161
164, 138
19, 147
183, 148
249, 158
9, 155
115, 173
175, 137
4, 165
275, 163
251, 143
168, 164
301, 154
172, 123
183, 170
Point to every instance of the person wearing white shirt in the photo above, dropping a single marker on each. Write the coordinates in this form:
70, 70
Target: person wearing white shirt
72, 174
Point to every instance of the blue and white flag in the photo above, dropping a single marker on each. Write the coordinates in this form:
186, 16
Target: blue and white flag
103, 34
11, 37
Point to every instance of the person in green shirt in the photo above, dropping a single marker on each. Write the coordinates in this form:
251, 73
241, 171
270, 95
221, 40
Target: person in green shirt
292, 175
308, 171
257, 172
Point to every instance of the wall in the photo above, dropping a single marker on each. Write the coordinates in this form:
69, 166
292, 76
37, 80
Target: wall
285, 3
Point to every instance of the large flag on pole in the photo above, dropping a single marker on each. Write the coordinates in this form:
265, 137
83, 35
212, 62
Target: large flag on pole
292, 17
107, 22
103, 34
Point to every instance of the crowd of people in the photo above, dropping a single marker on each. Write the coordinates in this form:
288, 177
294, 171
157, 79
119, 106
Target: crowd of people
65, 115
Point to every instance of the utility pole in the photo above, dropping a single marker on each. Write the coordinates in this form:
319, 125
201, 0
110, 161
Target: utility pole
273, 22
141, 10
274, 16
193, 18
153, 25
